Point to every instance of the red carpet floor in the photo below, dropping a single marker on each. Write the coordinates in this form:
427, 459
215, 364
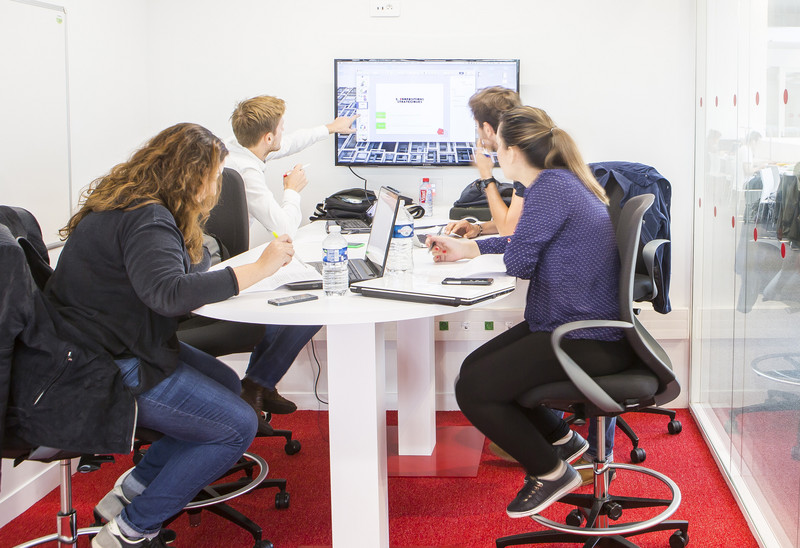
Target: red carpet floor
426, 512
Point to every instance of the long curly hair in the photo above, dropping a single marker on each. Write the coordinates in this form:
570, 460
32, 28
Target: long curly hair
172, 170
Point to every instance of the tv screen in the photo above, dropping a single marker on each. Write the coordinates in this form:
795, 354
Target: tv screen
413, 112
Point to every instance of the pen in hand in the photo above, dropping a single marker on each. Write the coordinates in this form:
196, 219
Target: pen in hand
299, 260
439, 233
288, 172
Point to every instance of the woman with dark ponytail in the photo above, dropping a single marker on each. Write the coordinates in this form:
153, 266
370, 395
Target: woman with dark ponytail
565, 245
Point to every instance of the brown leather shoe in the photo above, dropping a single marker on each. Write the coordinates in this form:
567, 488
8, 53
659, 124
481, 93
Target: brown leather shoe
252, 393
272, 402
587, 474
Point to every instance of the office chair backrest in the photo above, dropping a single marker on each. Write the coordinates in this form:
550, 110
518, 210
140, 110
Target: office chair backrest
228, 220
629, 227
643, 289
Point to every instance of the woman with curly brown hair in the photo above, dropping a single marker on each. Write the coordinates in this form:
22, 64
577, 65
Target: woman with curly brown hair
124, 277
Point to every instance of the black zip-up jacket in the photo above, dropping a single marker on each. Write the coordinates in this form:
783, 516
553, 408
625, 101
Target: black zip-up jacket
56, 388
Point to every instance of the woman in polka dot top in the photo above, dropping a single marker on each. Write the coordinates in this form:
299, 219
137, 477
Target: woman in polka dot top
565, 245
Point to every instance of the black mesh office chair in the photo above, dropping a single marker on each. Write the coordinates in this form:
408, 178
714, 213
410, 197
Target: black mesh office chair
26, 320
645, 289
649, 382
228, 223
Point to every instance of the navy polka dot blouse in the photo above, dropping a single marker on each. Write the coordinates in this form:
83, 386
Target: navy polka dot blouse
565, 245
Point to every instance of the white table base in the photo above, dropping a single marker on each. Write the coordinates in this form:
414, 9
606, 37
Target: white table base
357, 425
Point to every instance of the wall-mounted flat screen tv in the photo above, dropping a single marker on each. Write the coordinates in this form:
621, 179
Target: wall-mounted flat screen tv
413, 112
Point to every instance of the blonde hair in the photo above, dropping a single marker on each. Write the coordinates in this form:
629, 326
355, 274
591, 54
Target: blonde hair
546, 146
171, 170
253, 118
488, 104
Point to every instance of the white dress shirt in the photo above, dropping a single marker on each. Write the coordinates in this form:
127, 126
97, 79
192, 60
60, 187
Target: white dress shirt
264, 211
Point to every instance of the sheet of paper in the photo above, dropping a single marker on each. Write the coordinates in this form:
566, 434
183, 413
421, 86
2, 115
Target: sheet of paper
295, 271
484, 264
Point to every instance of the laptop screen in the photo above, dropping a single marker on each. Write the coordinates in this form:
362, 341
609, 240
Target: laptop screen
382, 225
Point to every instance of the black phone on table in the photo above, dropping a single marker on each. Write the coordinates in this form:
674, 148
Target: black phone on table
292, 299
468, 281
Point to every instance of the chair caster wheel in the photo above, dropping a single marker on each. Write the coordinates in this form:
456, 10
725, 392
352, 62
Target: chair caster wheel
574, 518
678, 539
613, 510
292, 447
263, 544
281, 500
638, 455
674, 427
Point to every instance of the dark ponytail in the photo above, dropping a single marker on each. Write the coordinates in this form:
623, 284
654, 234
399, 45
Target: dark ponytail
546, 146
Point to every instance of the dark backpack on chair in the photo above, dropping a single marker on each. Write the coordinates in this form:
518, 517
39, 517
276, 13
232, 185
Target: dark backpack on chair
473, 202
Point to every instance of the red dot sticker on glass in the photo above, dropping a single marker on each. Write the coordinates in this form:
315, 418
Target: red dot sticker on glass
733, 221
785, 96
716, 101
715, 211
734, 99
757, 98
783, 250
701, 102
755, 234
699, 202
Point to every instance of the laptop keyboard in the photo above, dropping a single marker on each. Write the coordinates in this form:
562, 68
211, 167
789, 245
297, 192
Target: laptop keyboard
356, 270
352, 223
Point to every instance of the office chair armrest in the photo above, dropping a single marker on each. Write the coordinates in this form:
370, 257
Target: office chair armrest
649, 258
590, 389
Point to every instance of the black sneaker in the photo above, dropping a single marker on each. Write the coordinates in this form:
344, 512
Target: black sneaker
572, 449
274, 403
537, 494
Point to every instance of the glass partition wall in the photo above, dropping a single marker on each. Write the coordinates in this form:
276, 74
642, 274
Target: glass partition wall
746, 297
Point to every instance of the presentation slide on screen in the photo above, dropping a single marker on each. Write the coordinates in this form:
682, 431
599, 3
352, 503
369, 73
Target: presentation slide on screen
412, 113
409, 110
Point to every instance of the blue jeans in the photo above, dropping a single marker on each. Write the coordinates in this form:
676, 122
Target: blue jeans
206, 427
274, 354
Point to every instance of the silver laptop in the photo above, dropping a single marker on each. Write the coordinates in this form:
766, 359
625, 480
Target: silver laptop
430, 290
374, 261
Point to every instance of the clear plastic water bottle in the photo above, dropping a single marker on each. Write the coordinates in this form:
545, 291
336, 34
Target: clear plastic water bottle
401, 248
426, 196
334, 263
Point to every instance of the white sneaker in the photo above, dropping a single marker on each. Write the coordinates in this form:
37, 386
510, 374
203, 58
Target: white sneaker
111, 537
111, 505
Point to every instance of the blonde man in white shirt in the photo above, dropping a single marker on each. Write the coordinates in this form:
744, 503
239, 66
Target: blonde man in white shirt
258, 127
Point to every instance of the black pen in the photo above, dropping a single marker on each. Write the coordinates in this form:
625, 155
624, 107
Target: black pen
430, 247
